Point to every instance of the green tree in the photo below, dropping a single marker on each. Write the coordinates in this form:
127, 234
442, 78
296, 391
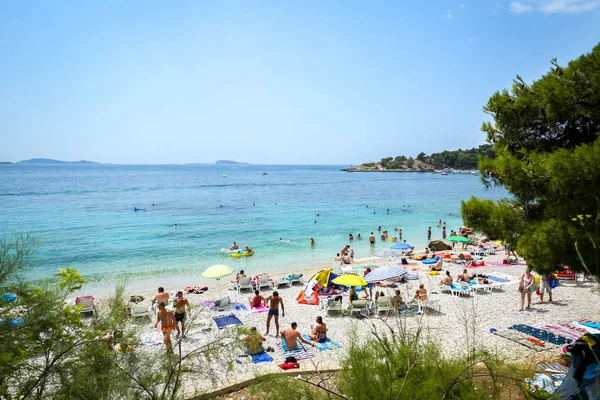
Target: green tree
410, 162
385, 161
547, 154
422, 157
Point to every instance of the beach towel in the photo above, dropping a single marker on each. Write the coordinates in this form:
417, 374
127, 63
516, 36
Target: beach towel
206, 305
227, 321
560, 330
318, 346
541, 334
590, 324
553, 367
520, 338
240, 308
580, 325
261, 357
500, 264
497, 279
152, 339
262, 308
299, 353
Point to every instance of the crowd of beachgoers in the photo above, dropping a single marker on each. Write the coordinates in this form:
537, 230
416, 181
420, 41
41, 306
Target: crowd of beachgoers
484, 286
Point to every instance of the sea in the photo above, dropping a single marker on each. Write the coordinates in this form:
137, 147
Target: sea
83, 216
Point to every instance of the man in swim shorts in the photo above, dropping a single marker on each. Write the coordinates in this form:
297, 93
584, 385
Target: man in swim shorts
372, 239
292, 336
274, 301
167, 324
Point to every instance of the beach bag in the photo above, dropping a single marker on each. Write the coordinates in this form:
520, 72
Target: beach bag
291, 360
554, 283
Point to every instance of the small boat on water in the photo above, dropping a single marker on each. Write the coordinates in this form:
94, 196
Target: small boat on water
264, 173
444, 173
224, 176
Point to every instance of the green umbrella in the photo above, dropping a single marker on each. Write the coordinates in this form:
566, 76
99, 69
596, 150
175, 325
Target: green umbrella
460, 239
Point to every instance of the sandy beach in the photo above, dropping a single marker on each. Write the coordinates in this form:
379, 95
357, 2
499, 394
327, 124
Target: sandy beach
464, 321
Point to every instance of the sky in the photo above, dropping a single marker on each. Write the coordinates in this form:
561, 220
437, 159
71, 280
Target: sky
268, 82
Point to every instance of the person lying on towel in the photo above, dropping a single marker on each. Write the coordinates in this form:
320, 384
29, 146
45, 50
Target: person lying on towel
292, 336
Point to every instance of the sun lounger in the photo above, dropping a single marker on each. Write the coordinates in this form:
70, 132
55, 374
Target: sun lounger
283, 280
244, 283
139, 310
382, 304
359, 306
297, 278
333, 305
87, 304
263, 281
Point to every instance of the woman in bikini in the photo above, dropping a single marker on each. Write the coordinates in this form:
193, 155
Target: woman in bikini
319, 334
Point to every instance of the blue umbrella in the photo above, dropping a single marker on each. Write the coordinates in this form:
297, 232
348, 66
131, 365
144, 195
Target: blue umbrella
385, 273
402, 246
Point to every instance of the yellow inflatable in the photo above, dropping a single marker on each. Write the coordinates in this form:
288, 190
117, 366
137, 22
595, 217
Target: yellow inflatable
433, 272
238, 255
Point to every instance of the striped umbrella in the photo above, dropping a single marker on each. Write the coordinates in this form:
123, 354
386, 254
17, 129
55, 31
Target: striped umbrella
402, 246
387, 253
385, 273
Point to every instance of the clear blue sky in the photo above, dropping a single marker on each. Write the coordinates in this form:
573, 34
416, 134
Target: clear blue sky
323, 82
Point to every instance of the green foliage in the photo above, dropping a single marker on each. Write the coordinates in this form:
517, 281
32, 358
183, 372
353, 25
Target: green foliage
457, 159
60, 354
545, 137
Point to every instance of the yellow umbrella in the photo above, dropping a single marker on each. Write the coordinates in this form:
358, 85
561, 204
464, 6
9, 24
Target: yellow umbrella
350, 280
217, 272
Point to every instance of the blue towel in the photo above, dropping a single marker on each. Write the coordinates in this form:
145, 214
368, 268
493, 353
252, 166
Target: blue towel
228, 320
261, 357
591, 324
334, 344
497, 279
240, 308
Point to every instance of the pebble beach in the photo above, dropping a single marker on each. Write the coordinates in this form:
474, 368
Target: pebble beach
460, 323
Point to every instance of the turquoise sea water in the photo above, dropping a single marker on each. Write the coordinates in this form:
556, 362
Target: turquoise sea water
82, 216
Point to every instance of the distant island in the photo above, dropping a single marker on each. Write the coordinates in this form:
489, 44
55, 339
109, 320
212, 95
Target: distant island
229, 162
466, 160
49, 161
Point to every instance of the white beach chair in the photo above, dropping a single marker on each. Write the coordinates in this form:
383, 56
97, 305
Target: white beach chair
359, 306
139, 310
297, 278
433, 301
467, 290
383, 305
87, 304
282, 280
421, 305
333, 305
263, 281
244, 283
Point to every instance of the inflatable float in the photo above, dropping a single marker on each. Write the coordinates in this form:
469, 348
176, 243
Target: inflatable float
139, 209
412, 277
242, 254
434, 272
230, 250
429, 261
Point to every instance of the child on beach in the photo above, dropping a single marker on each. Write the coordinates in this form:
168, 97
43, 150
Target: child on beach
167, 324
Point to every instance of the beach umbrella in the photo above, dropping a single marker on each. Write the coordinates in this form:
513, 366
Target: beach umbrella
458, 239
385, 273
217, 272
324, 277
402, 246
387, 253
349, 280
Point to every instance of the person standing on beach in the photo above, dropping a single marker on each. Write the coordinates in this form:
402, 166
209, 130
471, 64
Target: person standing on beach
429, 233
526, 288
352, 258
167, 324
444, 233
180, 305
546, 287
372, 239
161, 297
274, 301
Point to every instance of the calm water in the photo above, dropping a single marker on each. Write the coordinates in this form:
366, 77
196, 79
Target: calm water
83, 218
